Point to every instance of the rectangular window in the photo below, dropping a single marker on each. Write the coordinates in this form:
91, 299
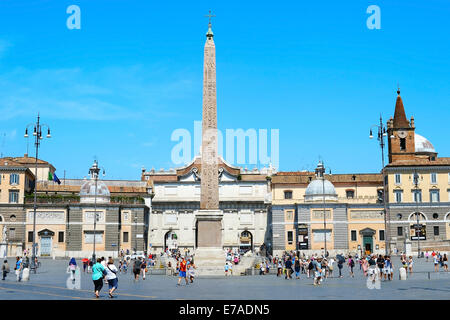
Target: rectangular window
289, 214
12, 233
319, 235
30, 236
399, 231
13, 178
417, 195
288, 194
398, 196
380, 195
125, 237
436, 230
433, 178
434, 195
170, 190
381, 234
290, 236
350, 194
398, 178
402, 144
353, 235
248, 190
13, 196
61, 236
89, 237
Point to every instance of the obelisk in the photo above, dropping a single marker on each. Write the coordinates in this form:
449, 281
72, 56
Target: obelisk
209, 198
209, 255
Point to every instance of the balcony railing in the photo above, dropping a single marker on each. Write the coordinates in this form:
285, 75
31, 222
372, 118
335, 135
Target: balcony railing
58, 199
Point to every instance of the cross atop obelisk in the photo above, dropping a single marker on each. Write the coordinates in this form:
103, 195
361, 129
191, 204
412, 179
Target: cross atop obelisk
210, 16
209, 194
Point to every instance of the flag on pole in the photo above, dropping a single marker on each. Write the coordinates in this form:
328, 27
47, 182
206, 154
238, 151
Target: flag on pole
53, 177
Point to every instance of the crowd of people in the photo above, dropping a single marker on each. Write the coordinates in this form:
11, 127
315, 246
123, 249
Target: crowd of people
291, 264
319, 268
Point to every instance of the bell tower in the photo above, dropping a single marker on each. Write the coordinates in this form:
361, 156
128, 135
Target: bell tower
401, 136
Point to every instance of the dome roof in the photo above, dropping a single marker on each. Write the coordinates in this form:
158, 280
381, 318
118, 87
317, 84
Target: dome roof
320, 187
423, 145
87, 192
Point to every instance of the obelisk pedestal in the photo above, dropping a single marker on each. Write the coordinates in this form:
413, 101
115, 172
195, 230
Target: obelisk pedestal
209, 255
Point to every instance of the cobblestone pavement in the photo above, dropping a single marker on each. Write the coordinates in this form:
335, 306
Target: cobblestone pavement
50, 284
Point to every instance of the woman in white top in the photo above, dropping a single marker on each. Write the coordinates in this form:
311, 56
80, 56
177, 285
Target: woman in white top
111, 276
330, 267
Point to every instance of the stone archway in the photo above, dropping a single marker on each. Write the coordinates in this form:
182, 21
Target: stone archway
246, 241
447, 225
170, 240
417, 227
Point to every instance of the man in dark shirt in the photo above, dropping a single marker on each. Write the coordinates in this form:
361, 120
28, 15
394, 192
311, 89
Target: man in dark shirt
288, 266
372, 261
380, 263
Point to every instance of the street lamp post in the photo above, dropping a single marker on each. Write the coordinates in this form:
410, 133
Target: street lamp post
94, 171
135, 234
321, 172
416, 184
37, 133
381, 134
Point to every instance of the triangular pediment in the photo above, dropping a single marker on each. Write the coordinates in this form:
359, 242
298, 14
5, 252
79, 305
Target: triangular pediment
367, 232
46, 232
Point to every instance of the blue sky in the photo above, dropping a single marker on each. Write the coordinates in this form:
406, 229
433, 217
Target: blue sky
117, 88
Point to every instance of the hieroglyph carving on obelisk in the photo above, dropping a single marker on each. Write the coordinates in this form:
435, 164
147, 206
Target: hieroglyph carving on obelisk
209, 198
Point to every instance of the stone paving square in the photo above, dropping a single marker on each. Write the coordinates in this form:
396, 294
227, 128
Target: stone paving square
50, 284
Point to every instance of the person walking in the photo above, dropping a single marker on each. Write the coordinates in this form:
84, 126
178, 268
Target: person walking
341, 261
279, 268
317, 271
111, 276
365, 265
90, 265
137, 268
410, 264
288, 266
18, 269
144, 269
85, 264
330, 267
262, 269
72, 268
445, 261
380, 263
98, 273
351, 265
5, 269
297, 268
388, 269
427, 255
182, 273
191, 272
